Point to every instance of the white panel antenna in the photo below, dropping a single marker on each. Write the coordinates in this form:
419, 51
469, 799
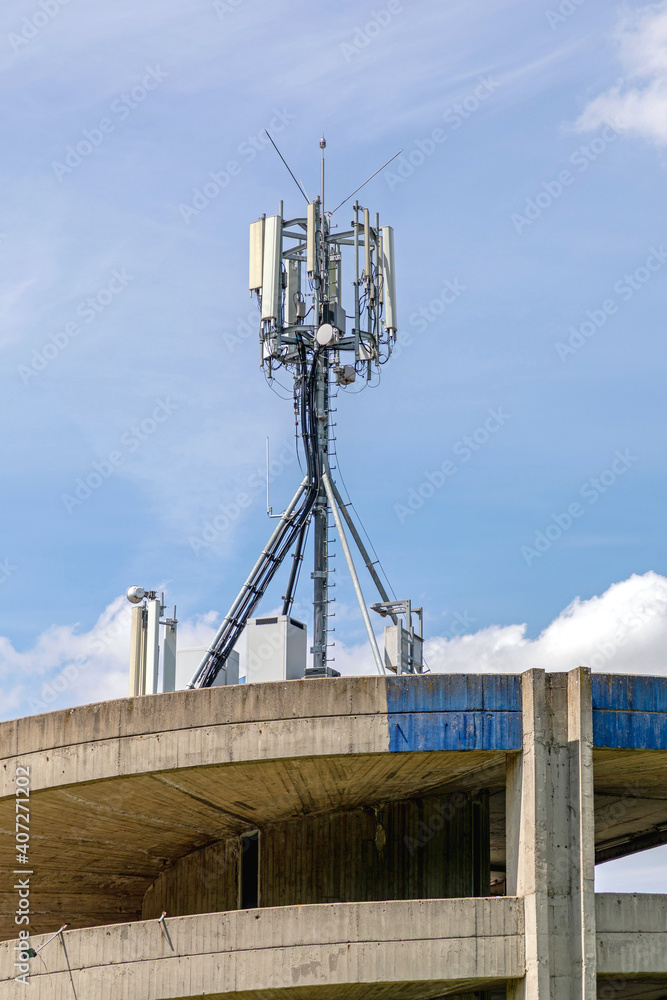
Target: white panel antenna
271, 273
389, 274
256, 255
311, 238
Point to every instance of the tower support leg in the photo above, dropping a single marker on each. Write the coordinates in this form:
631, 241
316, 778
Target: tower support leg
353, 573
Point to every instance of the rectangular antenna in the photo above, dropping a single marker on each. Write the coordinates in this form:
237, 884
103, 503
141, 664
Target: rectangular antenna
292, 291
367, 244
311, 240
380, 277
389, 278
271, 284
335, 290
256, 255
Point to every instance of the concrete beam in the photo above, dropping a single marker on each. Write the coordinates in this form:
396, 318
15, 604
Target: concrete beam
407, 950
631, 934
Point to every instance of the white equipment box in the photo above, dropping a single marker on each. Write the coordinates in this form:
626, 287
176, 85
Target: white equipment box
187, 661
276, 649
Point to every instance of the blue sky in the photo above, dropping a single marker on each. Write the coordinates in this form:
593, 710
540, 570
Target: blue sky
531, 275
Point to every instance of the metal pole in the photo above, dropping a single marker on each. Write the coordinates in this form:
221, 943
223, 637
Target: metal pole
362, 548
153, 644
356, 281
353, 573
136, 651
320, 510
248, 584
321, 525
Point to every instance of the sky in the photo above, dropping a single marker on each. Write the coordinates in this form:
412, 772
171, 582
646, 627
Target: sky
530, 281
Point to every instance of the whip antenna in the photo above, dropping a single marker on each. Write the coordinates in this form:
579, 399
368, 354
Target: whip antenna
298, 183
365, 182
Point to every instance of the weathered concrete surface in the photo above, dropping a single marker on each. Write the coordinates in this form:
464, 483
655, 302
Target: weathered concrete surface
631, 934
627, 988
399, 950
96, 847
122, 790
133, 785
264, 721
550, 837
429, 848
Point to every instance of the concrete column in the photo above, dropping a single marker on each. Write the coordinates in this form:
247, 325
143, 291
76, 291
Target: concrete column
582, 831
550, 847
527, 837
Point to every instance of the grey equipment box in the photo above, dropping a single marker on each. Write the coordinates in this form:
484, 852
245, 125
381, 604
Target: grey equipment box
276, 649
187, 661
397, 651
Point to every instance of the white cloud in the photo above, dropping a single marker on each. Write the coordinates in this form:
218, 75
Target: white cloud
638, 102
67, 667
622, 631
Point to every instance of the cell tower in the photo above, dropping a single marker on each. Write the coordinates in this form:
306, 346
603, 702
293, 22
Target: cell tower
296, 272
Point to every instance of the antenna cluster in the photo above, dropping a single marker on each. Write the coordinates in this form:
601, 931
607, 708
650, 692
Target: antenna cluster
296, 272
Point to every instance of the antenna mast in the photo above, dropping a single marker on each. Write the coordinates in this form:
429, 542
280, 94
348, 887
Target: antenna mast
296, 274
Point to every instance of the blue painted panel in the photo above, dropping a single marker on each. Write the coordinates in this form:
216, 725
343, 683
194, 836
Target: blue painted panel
455, 731
454, 693
630, 730
619, 692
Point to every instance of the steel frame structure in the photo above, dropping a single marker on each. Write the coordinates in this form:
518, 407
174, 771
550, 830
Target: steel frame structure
311, 344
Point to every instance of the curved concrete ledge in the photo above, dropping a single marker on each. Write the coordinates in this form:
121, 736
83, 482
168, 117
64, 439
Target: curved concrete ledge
263, 721
403, 950
120, 790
